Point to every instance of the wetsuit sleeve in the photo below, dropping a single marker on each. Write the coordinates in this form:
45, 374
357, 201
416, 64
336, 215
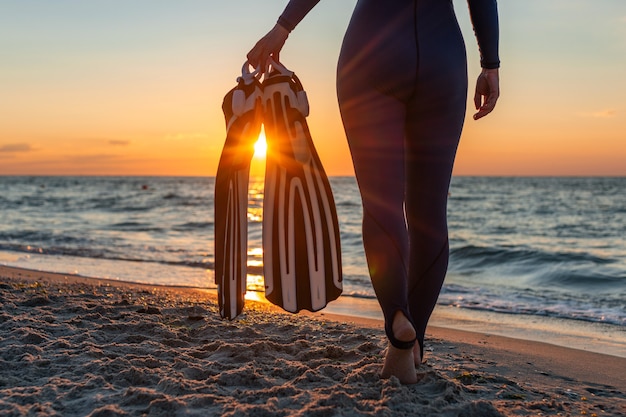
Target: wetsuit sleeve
295, 12
484, 14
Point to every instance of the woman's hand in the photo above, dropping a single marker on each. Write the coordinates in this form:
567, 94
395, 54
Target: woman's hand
268, 45
487, 92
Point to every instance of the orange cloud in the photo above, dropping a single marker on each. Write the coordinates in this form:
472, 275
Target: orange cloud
16, 147
600, 114
119, 142
187, 136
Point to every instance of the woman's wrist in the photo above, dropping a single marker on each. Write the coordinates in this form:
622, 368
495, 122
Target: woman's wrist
278, 27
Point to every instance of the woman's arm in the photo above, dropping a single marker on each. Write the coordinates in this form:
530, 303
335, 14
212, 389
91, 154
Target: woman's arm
484, 14
273, 41
295, 12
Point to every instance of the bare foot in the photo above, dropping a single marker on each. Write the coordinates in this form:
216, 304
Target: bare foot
400, 362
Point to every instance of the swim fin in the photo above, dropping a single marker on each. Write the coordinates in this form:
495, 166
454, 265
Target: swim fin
242, 108
301, 241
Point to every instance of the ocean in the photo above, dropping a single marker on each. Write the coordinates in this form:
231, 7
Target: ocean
536, 247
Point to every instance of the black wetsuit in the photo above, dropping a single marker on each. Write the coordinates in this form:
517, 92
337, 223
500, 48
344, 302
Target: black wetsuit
402, 88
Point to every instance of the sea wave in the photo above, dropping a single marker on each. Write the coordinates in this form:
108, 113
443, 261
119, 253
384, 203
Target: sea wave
523, 266
96, 254
542, 246
608, 309
485, 256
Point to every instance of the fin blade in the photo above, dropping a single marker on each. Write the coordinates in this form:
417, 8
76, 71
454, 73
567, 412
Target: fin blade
301, 240
231, 197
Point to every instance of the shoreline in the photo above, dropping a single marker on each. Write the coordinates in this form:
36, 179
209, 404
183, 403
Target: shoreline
74, 345
449, 331
587, 336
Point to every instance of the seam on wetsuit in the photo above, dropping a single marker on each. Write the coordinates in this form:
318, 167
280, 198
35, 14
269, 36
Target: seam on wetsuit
395, 244
432, 264
417, 52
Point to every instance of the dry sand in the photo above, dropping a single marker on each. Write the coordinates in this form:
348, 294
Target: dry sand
73, 346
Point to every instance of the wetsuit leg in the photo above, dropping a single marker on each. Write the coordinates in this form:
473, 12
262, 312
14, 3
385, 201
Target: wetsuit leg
372, 89
402, 88
437, 111
379, 167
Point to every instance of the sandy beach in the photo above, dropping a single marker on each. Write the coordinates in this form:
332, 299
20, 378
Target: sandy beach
75, 346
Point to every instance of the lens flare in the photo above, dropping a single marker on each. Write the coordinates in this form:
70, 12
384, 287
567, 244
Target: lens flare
260, 147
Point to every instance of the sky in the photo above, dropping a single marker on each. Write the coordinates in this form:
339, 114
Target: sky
119, 87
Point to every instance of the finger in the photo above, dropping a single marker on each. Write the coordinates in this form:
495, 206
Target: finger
477, 100
485, 109
254, 57
251, 60
479, 115
491, 101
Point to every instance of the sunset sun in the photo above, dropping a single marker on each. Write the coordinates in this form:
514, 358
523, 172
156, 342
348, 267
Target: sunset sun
260, 147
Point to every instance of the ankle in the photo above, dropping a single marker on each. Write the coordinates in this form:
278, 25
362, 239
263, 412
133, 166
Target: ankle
402, 334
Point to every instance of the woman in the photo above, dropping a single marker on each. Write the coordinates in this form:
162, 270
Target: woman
402, 89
